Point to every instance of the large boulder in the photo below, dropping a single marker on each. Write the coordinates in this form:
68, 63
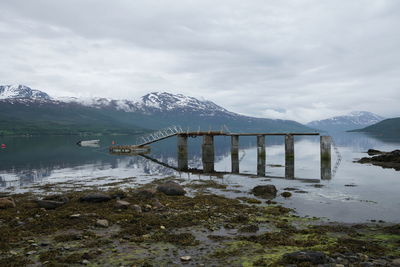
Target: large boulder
268, 190
309, 257
95, 198
6, 202
171, 189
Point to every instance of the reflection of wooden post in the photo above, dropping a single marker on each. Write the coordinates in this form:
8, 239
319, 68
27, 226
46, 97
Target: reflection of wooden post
235, 153
182, 153
261, 155
289, 156
208, 153
326, 168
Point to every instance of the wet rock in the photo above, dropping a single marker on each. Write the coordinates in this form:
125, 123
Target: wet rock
146, 193
286, 194
136, 208
59, 198
118, 195
121, 204
385, 160
314, 257
6, 203
350, 185
290, 189
252, 228
49, 204
157, 205
301, 192
317, 185
373, 152
366, 264
268, 190
186, 258
396, 262
171, 189
95, 198
102, 223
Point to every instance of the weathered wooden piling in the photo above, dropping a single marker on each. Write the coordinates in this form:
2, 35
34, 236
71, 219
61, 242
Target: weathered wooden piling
289, 156
235, 153
261, 155
208, 153
326, 168
182, 153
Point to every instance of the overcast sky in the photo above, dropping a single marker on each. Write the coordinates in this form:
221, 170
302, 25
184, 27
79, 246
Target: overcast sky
288, 59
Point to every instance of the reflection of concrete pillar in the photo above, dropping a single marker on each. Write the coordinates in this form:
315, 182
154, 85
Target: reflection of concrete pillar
289, 156
261, 155
182, 153
326, 169
208, 153
235, 153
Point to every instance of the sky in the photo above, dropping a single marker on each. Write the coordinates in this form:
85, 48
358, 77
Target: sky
284, 59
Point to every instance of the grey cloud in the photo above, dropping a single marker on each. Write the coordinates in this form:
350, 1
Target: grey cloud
302, 60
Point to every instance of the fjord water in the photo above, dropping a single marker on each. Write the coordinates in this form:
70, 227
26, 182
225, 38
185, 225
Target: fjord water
356, 192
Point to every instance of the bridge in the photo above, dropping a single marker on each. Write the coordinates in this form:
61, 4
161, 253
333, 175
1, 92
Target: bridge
208, 148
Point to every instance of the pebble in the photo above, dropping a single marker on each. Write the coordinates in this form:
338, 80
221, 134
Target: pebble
136, 208
6, 203
75, 216
121, 204
186, 258
30, 252
102, 223
396, 262
85, 262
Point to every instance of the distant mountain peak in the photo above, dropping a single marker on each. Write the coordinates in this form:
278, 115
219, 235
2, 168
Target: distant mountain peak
21, 91
351, 121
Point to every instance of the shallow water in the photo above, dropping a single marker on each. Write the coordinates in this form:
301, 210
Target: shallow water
373, 194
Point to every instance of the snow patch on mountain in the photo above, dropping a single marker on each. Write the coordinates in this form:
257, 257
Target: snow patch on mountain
21, 91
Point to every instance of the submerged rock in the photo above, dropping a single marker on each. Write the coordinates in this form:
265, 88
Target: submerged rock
6, 202
384, 159
171, 189
95, 197
268, 190
314, 257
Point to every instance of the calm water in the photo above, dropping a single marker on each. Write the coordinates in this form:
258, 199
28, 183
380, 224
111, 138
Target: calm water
27, 162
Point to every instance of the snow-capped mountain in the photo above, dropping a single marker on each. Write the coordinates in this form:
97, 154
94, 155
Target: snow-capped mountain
351, 121
21, 91
152, 111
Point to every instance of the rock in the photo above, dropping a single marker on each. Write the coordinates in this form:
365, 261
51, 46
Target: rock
290, 189
366, 264
186, 258
75, 216
136, 208
85, 262
102, 223
157, 205
6, 203
59, 198
121, 204
314, 257
49, 204
171, 189
385, 160
396, 262
286, 194
252, 228
95, 198
31, 252
373, 152
146, 193
268, 190
118, 195
301, 192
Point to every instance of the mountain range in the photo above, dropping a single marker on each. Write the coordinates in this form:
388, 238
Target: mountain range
28, 111
351, 121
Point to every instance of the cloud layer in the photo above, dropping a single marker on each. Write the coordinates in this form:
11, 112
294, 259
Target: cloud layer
294, 59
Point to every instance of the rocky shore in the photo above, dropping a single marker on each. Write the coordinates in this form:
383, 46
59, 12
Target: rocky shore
166, 224
383, 159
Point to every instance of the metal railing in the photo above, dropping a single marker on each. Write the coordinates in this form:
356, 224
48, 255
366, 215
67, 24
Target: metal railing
158, 135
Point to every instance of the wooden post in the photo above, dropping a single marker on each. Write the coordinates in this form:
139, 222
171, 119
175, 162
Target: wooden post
235, 153
326, 168
182, 153
261, 155
208, 153
289, 156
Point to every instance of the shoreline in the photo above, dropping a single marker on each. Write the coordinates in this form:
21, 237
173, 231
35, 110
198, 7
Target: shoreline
145, 227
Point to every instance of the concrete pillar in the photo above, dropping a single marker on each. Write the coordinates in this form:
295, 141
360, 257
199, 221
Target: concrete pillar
289, 156
208, 153
326, 168
182, 153
261, 155
235, 153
